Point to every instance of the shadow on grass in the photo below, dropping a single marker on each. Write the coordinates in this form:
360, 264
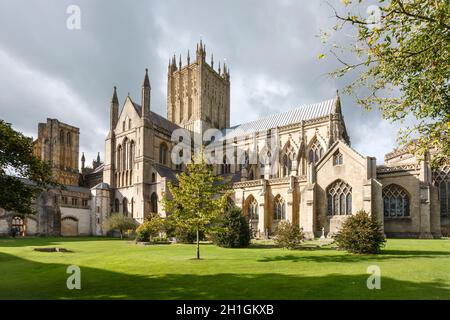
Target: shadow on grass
48, 241
33, 280
350, 258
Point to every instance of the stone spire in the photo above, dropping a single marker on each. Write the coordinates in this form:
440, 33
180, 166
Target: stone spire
145, 96
83, 160
114, 110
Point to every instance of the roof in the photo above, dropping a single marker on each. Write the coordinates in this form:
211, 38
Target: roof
102, 186
304, 112
158, 120
166, 172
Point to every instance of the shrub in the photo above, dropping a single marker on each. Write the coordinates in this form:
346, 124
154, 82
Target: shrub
233, 229
151, 227
187, 236
361, 233
288, 235
117, 221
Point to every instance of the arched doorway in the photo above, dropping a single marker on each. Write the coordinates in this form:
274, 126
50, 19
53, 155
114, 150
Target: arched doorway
69, 226
18, 226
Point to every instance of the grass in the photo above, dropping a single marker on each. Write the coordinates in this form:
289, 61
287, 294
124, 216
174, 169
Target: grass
115, 269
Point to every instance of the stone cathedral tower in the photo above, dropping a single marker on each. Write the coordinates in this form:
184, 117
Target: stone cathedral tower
198, 96
58, 145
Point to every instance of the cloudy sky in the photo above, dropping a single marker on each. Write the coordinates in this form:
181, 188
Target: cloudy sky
271, 47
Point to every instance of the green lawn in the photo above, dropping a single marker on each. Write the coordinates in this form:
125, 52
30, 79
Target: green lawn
112, 269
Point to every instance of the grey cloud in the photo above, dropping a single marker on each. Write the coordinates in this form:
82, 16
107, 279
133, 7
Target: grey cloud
271, 48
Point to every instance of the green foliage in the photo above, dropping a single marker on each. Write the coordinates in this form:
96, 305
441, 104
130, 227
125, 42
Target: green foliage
17, 160
117, 221
234, 231
404, 59
197, 200
361, 233
187, 236
150, 228
288, 235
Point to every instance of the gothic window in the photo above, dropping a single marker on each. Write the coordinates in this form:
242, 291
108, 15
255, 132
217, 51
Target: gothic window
119, 158
337, 159
125, 206
162, 153
339, 196
315, 152
396, 201
129, 123
69, 139
131, 154
252, 208
61, 136
116, 205
153, 177
123, 126
154, 202
287, 165
279, 209
225, 167
442, 181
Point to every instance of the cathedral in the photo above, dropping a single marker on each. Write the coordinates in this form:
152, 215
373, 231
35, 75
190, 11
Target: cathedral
297, 165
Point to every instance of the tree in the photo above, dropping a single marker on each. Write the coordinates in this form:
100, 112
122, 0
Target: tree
402, 46
198, 199
117, 221
361, 233
234, 230
18, 161
151, 227
288, 235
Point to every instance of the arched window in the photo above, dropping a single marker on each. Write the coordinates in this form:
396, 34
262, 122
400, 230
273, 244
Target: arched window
252, 208
131, 155
119, 158
395, 201
162, 153
125, 206
225, 167
338, 159
116, 205
279, 209
125, 151
315, 152
287, 165
442, 181
154, 202
339, 196
153, 177
69, 139
61, 136
129, 123
123, 126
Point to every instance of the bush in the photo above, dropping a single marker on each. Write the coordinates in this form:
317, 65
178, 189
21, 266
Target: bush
233, 229
151, 228
361, 233
117, 221
187, 236
288, 235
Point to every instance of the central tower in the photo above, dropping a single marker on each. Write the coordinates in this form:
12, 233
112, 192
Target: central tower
198, 96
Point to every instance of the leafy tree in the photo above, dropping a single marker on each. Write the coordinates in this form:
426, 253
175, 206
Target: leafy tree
18, 161
234, 230
361, 233
198, 199
402, 51
117, 221
151, 227
288, 235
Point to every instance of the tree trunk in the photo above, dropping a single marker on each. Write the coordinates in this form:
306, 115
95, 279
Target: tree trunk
198, 245
121, 235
